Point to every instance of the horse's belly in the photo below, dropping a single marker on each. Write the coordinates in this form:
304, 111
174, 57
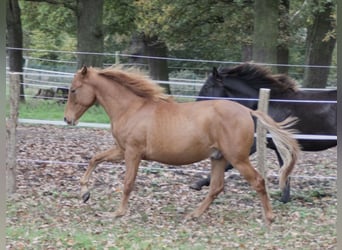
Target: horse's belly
178, 152
177, 158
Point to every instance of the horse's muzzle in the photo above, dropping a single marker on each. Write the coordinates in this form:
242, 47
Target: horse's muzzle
72, 122
66, 120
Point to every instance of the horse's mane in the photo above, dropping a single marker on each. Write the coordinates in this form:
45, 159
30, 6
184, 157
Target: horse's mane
135, 81
260, 77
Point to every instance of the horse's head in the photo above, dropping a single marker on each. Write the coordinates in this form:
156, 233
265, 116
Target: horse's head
239, 89
81, 97
212, 87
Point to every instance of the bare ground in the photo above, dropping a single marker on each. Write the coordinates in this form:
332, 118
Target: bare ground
51, 161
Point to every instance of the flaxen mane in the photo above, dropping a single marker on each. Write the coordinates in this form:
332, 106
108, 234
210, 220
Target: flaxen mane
136, 82
260, 77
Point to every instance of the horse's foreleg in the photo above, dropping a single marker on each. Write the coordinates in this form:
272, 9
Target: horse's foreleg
258, 183
132, 164
112, 155
216, 186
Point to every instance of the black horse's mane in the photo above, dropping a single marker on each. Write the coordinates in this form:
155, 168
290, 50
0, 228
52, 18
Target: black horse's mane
259, 77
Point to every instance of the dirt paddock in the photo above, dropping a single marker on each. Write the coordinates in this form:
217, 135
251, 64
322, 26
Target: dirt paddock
52, 159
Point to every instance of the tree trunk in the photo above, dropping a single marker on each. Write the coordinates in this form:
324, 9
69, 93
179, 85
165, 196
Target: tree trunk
15, 40
247, 52
11, 127
158, 68
319, 50
3, 182
284, 34
136, 48
265, 37
89, 32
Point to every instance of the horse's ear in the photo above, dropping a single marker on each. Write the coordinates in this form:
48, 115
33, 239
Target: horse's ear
84, 70
216, 74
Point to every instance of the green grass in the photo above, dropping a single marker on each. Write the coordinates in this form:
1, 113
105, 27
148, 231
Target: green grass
111, 235
51, 110
42, 222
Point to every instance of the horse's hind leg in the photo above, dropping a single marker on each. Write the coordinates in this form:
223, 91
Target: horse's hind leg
258, 183
200, 183
285, 193
113, 154
216, 186
206, 181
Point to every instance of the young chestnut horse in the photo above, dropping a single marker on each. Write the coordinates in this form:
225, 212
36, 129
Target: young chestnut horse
245, 81
147, 125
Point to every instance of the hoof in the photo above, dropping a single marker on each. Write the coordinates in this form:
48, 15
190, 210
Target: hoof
86, 197
199, 184
285, 192
195, 186
192, 216
270, 219
119, 214
188, 217
285, 197
285, 200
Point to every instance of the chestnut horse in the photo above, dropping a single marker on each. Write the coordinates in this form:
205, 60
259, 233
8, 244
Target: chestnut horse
148, 125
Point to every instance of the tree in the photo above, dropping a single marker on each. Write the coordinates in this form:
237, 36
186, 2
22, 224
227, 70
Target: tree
284, 36
48, 29
11, 141
15, 40
158, 68
320, 44
213, 30
90, 35
265, 36
89, 28
196, 29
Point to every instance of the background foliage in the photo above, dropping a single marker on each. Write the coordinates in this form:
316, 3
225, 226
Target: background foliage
213, 30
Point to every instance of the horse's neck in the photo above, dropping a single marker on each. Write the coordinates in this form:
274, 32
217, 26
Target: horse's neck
117, 100
285, 94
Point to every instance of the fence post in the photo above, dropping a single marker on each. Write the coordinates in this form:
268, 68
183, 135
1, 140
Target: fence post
11, 128
264, 95
117, 57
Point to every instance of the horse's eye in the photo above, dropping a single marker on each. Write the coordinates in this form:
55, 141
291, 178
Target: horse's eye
73, 90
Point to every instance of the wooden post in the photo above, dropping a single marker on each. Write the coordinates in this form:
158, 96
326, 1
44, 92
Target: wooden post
3, 181
11, 127
117, 57
264, 95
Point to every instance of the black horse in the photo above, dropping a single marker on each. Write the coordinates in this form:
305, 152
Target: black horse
315, 109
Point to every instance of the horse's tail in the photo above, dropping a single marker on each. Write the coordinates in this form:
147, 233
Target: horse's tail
287, 146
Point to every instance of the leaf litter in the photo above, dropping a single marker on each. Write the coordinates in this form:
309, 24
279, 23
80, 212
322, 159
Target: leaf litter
48, 213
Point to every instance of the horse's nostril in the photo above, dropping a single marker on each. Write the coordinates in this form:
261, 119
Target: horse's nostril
65, 119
